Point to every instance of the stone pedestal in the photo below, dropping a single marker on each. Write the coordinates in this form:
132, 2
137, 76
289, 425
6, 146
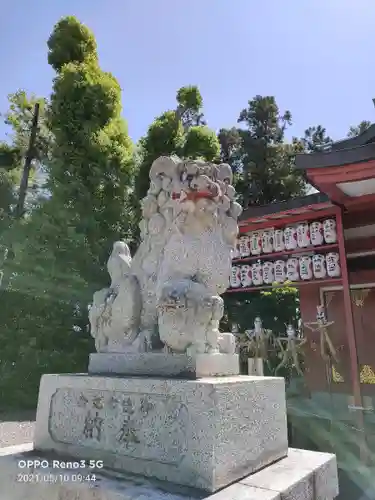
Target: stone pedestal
164, 365
302, 475
113, 438
204, 433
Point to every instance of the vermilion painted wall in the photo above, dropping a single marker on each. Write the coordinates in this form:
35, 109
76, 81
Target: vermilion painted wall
364, 320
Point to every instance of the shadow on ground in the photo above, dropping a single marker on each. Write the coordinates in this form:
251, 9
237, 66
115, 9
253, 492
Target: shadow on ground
20, 416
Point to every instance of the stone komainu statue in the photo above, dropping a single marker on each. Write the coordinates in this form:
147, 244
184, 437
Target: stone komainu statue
168, 296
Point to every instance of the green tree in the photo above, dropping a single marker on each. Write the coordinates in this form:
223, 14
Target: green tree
230, 147
189, 106
359, 129
91, 172
71, 42
9, 176
9, 156
89, 168
201, 142
18, 118
88, 164
260, 156
16, 195
165, 136
61, 247
274, 307
315, 139
182, 132
38, 335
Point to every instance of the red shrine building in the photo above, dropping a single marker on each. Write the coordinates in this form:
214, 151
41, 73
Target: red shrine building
324, 244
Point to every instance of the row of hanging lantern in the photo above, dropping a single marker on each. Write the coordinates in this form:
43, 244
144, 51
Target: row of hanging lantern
292, 237
304, 268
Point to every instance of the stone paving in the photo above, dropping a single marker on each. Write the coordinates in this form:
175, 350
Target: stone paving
16, 428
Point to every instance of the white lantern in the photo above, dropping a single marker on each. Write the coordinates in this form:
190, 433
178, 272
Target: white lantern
246, 276
303, 235
267, 241
268, 273
245, 246
329, 231
235, 277
257, 274
316, 233
319, 266
333, 265
278, 240
305, 268
255, 243
292, 273
290, 238
280, 271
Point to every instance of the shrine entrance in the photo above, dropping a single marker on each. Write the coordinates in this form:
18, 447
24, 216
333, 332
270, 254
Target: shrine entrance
339, 385
363, 309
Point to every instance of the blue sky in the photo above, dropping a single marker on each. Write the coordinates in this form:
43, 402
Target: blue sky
316, 57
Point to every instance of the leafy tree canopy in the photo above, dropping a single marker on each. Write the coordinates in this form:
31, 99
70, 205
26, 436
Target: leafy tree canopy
260, 158
359, 129
201, 142
182, 132
315, 139
189, 106
18, 118
90, 175
71, 42
9, 156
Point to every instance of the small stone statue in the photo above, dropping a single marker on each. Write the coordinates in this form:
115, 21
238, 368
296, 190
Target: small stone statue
169, 293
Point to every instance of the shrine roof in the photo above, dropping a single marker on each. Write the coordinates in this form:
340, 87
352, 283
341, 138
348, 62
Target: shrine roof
283, 210
346, 152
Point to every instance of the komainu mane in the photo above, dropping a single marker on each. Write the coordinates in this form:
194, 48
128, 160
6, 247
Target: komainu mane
168, 296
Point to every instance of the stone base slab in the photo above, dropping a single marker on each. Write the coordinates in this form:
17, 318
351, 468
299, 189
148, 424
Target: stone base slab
202, 433
164, 365
302, 475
